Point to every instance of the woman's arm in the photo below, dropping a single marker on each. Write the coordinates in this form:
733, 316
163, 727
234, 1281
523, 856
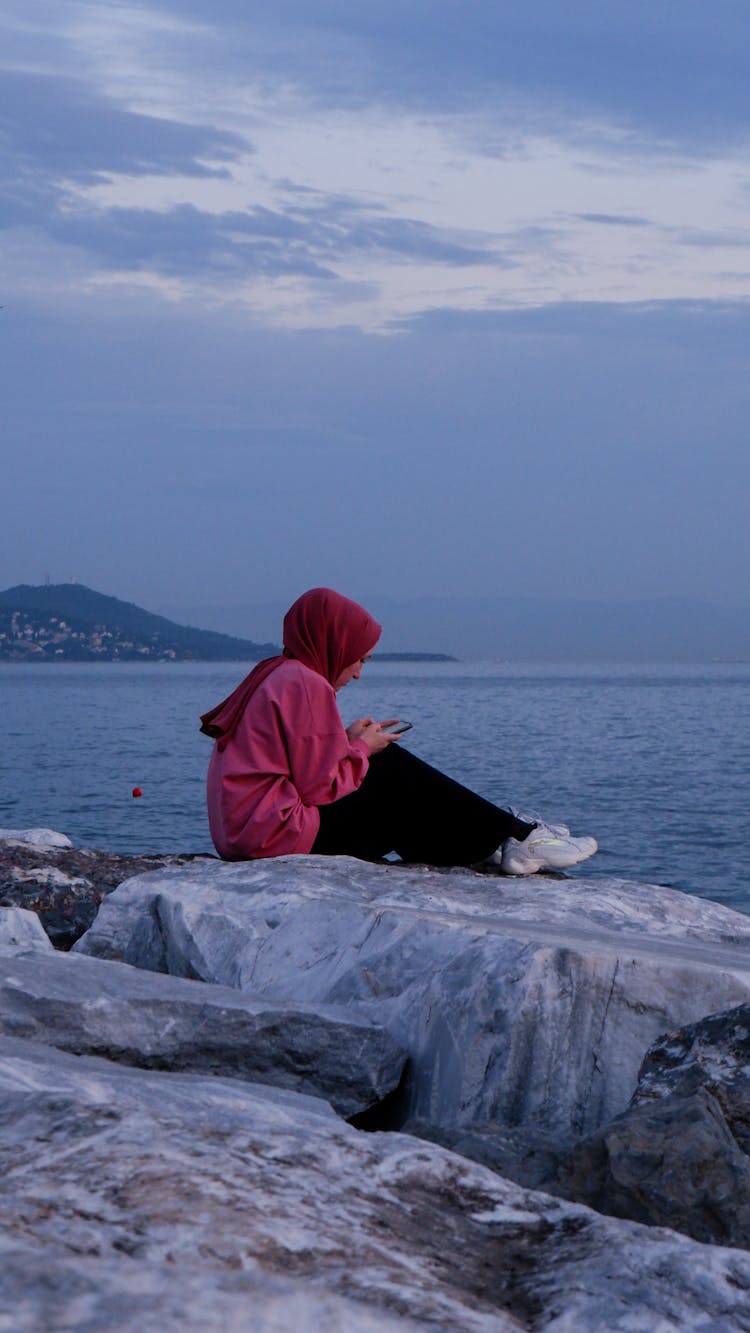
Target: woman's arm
326, 766
326, 762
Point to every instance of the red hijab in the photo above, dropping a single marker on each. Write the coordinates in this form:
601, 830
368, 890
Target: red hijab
324, 630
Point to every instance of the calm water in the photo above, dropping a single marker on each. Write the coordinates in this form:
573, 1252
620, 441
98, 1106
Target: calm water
655, 762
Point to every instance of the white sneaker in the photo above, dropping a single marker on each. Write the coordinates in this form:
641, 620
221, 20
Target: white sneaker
544, 849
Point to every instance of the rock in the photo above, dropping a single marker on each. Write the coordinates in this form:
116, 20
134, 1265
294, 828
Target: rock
672, 1163
526, 1005
22, 932
35, 837
63, 885
678, 1156
525, 1155
85, 1006
162, 1299
713, 1053
173, 1187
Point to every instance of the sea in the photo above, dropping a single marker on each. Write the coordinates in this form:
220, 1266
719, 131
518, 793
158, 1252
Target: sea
654, 761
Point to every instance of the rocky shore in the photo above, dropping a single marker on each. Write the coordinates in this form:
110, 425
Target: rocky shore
320, 1094
64, 885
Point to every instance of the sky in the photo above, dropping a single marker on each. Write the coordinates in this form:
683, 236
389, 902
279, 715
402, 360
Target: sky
415, 299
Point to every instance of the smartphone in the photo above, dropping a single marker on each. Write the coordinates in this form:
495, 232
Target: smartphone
399, 728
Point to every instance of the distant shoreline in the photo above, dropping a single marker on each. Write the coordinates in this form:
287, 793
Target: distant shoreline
40, 661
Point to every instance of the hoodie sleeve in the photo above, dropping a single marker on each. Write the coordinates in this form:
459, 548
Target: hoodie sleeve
324, 764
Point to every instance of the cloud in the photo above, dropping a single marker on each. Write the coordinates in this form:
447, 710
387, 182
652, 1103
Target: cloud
702, 238
189, 242
400, 156
613, 220
60, 135
711, 332
58, 128
657, 71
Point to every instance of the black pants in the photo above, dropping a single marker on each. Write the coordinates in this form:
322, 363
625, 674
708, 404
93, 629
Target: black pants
405, 806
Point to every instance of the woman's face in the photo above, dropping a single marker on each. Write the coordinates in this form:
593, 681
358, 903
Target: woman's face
352, 672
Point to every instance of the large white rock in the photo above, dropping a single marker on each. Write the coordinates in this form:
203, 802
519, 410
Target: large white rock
21, 931
523, 1003
159, 1202
90, 1007
35, 837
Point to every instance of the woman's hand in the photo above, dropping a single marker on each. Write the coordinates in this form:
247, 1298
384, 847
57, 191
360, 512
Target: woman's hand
355, 729
372, 733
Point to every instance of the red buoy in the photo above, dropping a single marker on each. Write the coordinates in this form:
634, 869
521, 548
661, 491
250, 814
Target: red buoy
137, 791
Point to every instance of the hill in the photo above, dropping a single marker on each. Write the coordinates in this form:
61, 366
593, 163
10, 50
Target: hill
67, 622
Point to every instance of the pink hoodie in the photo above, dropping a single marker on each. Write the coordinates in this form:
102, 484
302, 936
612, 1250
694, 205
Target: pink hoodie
281, 749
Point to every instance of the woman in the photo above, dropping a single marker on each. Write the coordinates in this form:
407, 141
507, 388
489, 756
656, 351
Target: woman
286, 777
